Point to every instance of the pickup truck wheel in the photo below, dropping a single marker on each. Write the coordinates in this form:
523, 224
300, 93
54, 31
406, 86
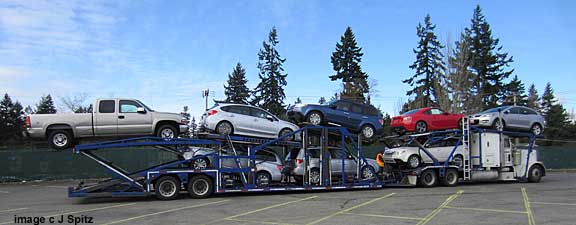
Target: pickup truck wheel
61, 139
167, 188
200, 186
167, 131
428, 178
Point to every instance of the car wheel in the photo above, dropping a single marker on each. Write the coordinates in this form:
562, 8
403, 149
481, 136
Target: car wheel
286, 131
200, 186
263, 179
314, 118
535, 174
201, 163
428, 178
61, 139
368, 131
413, 161
167, 188
450, 178
536, 129
167, 131
315, 176
224, 128
366, 172
498, 125
458, 160
421, 127
460, 124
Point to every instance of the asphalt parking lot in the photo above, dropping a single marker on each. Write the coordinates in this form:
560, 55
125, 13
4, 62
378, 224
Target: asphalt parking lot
553, 201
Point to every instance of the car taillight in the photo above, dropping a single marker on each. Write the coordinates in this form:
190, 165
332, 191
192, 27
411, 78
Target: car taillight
280, 167
381, 122
212, 112
299, 161
28, 124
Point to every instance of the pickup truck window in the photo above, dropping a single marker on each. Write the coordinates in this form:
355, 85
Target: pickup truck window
106, 106
128, 106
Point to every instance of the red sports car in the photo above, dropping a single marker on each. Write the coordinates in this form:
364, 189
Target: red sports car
424, 120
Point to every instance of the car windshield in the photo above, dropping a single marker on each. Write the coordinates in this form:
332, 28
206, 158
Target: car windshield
493, 110
410, 112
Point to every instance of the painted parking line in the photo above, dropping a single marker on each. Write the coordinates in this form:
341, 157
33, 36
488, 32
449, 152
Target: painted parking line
554, 203
385, 216
439, 208
261, 209
528, 207
485, 210
12, 210
166, 211
259, 222
80, 211
349, 209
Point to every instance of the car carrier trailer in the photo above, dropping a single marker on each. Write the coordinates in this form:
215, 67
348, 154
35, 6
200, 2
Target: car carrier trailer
487, 155
167, 180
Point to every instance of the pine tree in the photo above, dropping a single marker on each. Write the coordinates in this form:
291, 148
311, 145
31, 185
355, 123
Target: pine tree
269, 94
11, 118
532, 100
46, 105
28, 110
427, 81
514, 93
322, 101
346, 61
548, 99
236, 91
488, 62
461, 80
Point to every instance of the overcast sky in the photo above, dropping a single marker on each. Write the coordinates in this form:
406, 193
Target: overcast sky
166, 52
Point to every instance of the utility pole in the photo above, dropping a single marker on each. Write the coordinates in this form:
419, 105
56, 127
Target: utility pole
205, 94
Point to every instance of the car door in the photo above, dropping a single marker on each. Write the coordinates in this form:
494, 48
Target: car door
240, 118
433, 118
132, 122
106, 119
356, 116
264, 123
512, 117
339, 113
526, 118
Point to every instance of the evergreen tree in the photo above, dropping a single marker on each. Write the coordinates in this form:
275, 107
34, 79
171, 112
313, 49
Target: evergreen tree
427, 81
11, 118
322, 101
487, 62
236, 91
532, 100
514, 93
346, 61
46, 105
186, 115
269, 94
298, 101
548, 99
28, 110
461, 80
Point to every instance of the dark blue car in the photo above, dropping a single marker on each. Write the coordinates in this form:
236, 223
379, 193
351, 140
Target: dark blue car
357, 117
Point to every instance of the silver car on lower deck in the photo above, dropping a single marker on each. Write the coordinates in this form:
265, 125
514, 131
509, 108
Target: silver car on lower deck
513, 117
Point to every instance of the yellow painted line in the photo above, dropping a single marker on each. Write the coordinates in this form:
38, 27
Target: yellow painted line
554, 203
12, 210
81, 211
528, 208
261, 209
166, 211
349, 209
260, 222
385, 216
486, 210
439, 208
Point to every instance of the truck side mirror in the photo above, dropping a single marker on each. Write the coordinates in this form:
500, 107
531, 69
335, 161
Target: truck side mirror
140, 110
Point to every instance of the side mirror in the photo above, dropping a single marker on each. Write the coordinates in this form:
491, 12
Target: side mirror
269, 117
140, 110
506, 112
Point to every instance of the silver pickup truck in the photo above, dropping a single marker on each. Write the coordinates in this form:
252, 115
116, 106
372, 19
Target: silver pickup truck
113, 117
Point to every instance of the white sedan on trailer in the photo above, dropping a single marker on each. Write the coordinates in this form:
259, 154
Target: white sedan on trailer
412, 156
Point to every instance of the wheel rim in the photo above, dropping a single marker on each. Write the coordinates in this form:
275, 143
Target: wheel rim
167, 133
224, 128
200, 164
167, 188
60, 140
263, 178
315, 177
428, 178
315, 118
536, 172
498, 125
451, 178
458, 161
200, 187
421, 127
366, 173
413, 161
286, 131
368, 132
536, 130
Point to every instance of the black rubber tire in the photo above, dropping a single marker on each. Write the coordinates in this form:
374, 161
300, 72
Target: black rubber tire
428, 178
196, 182
64, 134
535, 174
458, 158
317, 113
495, 124
315, 170
425, 127
366, 126
202, 160
224, 123
167, 194
367, 168
409, 159
534, 131
286, 131
260, 176
164, 127
450, 178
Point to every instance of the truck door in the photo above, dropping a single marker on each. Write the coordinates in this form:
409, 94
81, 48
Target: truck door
106, 119
132, 122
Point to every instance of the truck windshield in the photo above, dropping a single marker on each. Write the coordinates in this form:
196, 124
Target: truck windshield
146, 107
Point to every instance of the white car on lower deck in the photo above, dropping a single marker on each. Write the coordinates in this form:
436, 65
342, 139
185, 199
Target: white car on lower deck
412, 156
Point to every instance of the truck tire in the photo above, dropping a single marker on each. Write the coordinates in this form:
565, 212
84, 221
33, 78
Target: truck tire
535, 174
167, 188
450, 178
167, 131
428, 178
61, 139
200, 186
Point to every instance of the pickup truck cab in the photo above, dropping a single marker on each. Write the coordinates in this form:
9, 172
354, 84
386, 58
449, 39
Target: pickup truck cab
111, 117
